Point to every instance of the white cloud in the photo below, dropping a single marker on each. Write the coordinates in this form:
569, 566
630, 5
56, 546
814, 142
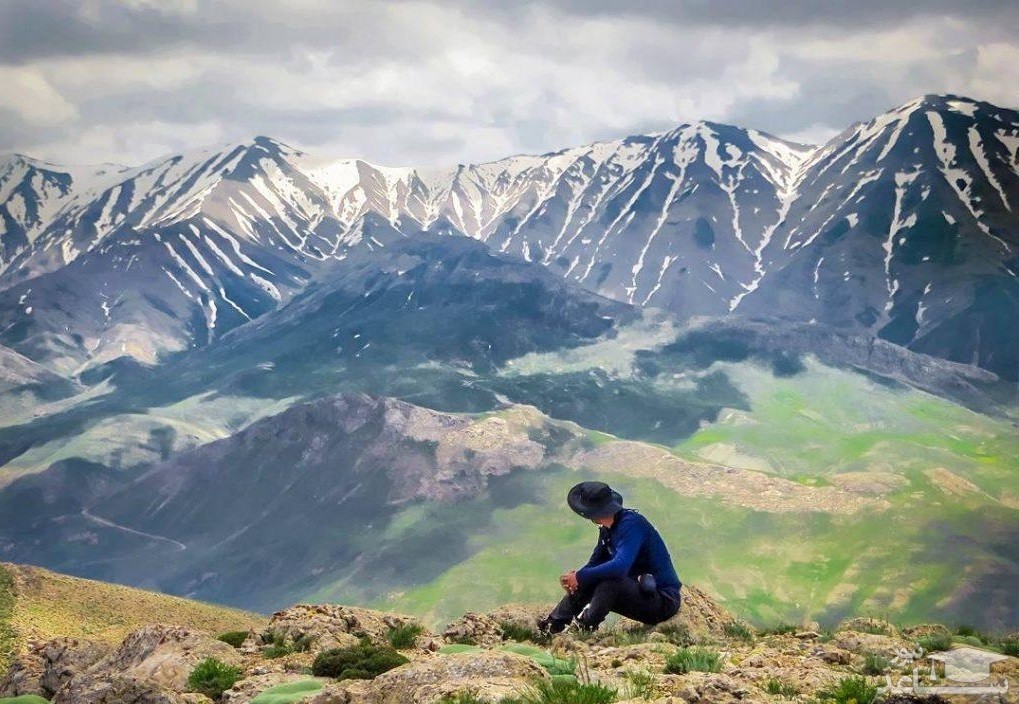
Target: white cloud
427, 84
996, 77
27, 93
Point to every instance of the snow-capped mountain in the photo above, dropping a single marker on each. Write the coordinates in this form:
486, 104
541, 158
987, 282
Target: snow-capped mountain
906, 227
902, 227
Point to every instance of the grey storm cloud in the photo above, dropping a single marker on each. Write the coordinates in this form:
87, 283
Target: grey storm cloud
431, 83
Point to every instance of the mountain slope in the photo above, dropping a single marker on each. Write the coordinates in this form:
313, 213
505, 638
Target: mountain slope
37, 604
910, 233
902, 227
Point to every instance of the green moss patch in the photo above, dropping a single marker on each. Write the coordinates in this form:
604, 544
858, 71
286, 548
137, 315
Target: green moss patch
286, 693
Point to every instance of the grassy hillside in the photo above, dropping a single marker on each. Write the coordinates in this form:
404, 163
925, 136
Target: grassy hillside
38, 603
939, 540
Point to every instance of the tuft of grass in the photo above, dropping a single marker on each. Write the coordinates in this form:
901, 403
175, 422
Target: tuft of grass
874, 626
849, 690
779, 688
693, 659
642, 684
363, 661
935, 642
677, 634
875, 664
779, 629
212, 677
280, 646
234, 638
739, 631
564, 691
521, 634
404, 635
24, 699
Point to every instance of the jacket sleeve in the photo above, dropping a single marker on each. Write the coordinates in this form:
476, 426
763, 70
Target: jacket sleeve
599, 555
629, 538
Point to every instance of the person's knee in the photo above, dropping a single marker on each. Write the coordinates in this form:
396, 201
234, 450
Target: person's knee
611, 585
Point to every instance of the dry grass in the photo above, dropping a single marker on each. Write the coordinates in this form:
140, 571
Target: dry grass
48, 604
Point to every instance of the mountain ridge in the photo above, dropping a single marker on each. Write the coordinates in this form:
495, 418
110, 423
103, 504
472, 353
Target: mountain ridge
702, 219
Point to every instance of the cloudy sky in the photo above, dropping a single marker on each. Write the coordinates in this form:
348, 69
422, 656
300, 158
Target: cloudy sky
434, 83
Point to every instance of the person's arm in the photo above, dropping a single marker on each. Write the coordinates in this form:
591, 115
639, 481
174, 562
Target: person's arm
629, 538
599, 555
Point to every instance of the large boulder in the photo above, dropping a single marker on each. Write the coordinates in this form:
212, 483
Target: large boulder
332, 625
152, 664
491, 675
700, 617
47, 665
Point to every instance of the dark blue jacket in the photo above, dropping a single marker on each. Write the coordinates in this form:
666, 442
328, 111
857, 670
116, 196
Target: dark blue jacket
629, 548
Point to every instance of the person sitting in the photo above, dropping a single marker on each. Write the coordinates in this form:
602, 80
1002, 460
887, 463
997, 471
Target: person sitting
630, 571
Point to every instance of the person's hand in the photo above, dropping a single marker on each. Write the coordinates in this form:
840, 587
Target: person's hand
569, 581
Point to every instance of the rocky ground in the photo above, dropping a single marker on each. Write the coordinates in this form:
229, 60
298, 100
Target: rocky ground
475, 658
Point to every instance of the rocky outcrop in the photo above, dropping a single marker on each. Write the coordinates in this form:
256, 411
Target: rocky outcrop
490, 675
325, 626
474, 629
46, 666
151, 665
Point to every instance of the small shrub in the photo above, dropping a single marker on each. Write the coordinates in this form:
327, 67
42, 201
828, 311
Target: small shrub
875, 664
642, 684
278, 645
616, 662
363, 661
404, 635
693, 659
935, 642
1010, 646
563, 691
777, 687
849, 690
964, 630
212, 677
739, 631
234, 638
970, 640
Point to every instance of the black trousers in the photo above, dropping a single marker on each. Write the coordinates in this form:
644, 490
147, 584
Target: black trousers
623, 596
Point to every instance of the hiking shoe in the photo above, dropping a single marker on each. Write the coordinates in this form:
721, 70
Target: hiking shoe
549, 626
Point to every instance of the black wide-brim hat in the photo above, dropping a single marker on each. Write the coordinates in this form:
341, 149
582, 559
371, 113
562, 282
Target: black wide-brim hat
594, 500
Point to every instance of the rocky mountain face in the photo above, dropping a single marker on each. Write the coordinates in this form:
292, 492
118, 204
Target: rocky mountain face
902, 227
906, 227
